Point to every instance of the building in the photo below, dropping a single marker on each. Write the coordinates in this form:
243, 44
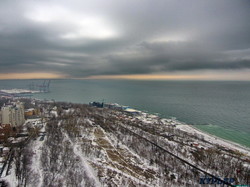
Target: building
13, 114
97, 104
19, 113
132, 111
8, 115
31, 113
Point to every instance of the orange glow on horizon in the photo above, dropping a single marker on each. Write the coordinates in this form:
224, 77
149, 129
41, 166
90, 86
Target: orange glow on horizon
144, 77
203, 75
195, 75
160, 77
39, 75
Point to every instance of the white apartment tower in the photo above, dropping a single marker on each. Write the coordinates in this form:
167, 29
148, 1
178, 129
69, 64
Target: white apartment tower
19, 114
13, 114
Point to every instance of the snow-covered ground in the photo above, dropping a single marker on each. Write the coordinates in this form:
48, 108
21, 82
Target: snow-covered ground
83, 161
146, 118
86, 146
11, 178
213, 139
36, 163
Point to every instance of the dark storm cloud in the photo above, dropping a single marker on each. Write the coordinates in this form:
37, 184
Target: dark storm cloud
80, 39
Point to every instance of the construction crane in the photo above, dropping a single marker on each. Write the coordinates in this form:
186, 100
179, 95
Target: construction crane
45, 86
32, 86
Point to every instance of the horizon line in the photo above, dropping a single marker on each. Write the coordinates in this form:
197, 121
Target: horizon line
170, 76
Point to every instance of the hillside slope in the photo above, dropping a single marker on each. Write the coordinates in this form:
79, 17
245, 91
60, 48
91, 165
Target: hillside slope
87, 146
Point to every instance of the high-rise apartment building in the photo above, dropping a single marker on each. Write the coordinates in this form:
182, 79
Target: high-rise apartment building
13, 114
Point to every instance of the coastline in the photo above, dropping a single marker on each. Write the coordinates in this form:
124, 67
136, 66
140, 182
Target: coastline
207, 136
214, 139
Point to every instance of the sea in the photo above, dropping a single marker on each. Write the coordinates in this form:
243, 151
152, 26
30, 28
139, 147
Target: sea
221, 108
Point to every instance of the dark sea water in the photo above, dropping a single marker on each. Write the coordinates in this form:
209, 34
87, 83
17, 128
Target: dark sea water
220, 108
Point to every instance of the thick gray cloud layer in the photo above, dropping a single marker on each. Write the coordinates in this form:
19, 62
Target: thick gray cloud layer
83, 38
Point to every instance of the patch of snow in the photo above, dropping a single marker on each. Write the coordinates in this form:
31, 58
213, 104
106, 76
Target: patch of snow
54, 113
90, 172
213, 139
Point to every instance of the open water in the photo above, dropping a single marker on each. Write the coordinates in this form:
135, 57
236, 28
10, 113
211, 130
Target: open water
221, 108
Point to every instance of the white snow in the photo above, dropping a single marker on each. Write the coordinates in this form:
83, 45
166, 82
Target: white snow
214, 140
77, 150
88, 169
11, 178
36, 164
54, 113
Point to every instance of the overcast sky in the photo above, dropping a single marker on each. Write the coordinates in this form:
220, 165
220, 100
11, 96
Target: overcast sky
90, 38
